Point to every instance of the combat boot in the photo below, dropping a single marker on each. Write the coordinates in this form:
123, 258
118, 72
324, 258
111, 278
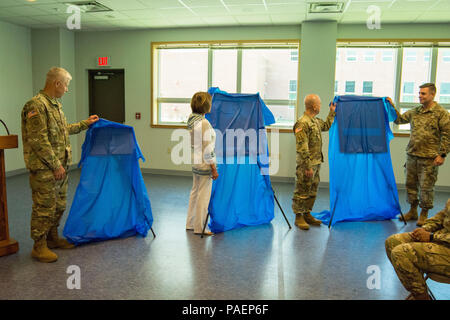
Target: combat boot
411, 215
311, 220
42, 253
54, 241
300, 222
422, 218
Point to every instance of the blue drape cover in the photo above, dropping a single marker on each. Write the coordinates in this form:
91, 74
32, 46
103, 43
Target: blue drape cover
362, 184
111, 199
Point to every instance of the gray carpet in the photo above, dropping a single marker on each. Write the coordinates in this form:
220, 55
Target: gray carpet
264, 262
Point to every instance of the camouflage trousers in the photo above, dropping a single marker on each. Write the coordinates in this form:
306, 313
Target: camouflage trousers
49, 202
421, 175
411, 259
305, 190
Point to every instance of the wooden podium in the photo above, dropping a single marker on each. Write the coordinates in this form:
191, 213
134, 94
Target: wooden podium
7, 245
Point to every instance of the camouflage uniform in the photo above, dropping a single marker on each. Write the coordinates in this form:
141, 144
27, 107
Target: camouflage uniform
46, 146
309, 156
411, 259
430, 137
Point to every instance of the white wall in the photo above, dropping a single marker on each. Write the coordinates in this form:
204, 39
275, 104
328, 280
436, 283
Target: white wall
16, 85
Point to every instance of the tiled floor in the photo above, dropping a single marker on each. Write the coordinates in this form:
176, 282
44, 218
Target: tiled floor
264, 262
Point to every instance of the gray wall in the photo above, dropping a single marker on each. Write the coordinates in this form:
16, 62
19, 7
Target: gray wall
16, 85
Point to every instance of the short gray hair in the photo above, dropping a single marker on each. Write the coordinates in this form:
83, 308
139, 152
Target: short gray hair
57, 73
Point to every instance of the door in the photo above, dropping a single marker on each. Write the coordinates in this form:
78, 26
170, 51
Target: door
107, 94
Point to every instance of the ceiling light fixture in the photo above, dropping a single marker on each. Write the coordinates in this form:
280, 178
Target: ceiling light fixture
326, 7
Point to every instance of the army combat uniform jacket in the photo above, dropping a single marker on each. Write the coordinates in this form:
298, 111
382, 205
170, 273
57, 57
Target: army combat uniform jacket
45, 134
309, 139
430, 131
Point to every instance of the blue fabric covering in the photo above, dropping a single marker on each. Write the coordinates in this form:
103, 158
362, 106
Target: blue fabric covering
362, 124
362, 185
111, 199
242, 195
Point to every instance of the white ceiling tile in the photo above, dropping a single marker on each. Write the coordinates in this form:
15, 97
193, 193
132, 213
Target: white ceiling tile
176, 12
157, 4
247, 9
220, 20
213, 11
242, 2
123, 5
288, 18
142, 14
286, 8
203, 3
25, 11
8, 3
254, 19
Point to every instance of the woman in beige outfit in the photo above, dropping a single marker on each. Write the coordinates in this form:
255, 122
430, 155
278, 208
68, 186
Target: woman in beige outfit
203, 162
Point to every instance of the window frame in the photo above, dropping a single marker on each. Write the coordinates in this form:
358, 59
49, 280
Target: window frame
399, 44
211, 45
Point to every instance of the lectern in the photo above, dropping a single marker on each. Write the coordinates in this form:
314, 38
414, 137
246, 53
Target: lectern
7, 245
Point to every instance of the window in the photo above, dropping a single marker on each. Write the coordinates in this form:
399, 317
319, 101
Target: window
408, 92
426, 56
410, 55
292, 89
381, 73
444, 96
269, 68
388, 55
443, 76
349, 86
294, 55
414, 60
446, 55
414, 71
367, 88
224, 69
369, 56
351, 55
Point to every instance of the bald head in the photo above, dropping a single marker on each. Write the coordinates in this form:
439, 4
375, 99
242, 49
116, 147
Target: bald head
312, 103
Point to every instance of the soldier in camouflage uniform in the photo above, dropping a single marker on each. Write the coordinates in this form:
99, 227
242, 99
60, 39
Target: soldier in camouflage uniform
424, 250
48, 155
426, 151
308, 138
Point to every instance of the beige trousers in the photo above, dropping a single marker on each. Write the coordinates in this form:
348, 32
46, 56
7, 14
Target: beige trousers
198, 203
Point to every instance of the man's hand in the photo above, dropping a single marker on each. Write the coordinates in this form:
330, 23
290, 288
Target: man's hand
421, 235
333, 107
59, 173
390, 101
92, 119
438, 161
214, 174
309, 173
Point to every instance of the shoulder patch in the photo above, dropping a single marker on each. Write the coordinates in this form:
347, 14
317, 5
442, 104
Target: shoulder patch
32, 114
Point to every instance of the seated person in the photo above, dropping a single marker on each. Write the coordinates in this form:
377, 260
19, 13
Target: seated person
426, 249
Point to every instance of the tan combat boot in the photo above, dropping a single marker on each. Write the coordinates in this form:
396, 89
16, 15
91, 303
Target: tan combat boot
54, 241
311, 220
300, 222
42, 253
411, 215
422, 218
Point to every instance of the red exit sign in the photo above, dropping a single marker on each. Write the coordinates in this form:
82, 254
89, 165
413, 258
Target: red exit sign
103, 61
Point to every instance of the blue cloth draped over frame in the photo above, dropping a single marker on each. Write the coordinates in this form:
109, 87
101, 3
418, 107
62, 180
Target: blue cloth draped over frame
362, 182
242, 195
111, 199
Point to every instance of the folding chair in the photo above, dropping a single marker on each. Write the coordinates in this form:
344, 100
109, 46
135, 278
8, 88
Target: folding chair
438, 278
